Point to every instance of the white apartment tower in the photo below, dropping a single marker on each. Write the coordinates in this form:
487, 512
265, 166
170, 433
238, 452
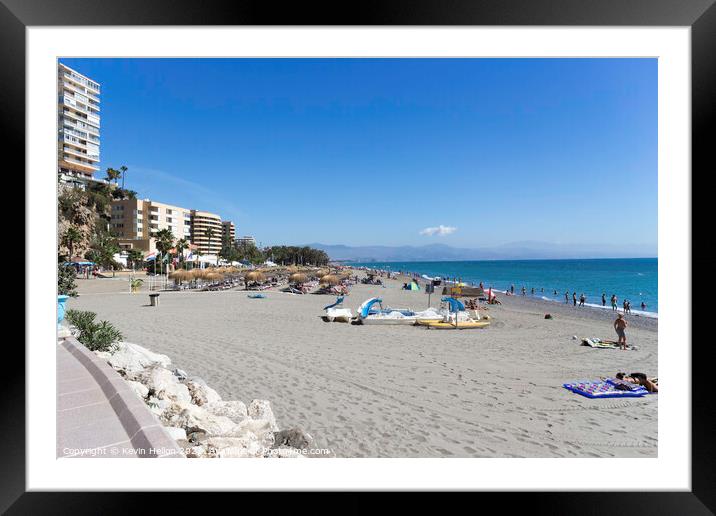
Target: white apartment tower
78, 126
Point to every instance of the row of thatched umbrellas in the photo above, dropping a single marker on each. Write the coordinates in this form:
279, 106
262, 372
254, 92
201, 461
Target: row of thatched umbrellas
218, 273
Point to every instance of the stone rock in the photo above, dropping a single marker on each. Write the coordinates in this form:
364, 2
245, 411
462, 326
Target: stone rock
176, 433
261, 409
201, 393
139, 389
158, 407
104, 355
259, 430
132, 358
180, 373
234, 410
293, 438
195, 419
164, 385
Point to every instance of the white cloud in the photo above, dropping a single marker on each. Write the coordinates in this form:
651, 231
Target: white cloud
439, 230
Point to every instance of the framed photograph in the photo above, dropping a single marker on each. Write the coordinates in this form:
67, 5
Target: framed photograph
424, 248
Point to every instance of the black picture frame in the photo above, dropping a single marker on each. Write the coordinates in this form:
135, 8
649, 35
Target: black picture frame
700, 15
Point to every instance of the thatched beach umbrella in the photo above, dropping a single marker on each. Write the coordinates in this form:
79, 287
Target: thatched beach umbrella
298, 277
322, 272
199, 273
330, 279
254, 276
214, 276
181, 275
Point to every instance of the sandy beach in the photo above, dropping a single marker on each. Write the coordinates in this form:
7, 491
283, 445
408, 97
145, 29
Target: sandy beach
402, 391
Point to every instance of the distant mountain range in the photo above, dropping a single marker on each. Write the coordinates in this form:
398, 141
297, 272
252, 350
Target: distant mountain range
511, 251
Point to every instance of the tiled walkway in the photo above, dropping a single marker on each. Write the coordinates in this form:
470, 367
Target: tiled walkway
98, 414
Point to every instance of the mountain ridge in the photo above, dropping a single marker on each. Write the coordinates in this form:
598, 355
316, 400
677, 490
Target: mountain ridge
526, 250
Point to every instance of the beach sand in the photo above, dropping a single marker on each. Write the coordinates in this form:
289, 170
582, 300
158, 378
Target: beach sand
403, 391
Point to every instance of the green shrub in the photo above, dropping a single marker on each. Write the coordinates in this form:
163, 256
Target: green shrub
101, 336
66, 280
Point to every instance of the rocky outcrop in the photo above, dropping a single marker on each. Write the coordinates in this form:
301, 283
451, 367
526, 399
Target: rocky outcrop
195, 415
261, 409
132, 358
201, 393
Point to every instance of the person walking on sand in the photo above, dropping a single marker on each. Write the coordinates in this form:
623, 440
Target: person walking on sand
620, 325
574, 298
614, 302
566, 297
604, 299
582, 299
628, 307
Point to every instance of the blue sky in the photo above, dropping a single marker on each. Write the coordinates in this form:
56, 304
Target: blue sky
374, 151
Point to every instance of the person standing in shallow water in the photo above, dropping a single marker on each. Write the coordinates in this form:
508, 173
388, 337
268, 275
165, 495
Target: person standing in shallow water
582, 299
574, 298
566, 297
614, 302
604, 299
512, 289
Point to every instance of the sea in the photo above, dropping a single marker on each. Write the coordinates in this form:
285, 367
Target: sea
634, 279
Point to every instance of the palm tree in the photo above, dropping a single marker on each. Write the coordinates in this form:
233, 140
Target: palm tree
209, 234
164, 241
181, 244
134, 256
123, 171
70, 238
113, 175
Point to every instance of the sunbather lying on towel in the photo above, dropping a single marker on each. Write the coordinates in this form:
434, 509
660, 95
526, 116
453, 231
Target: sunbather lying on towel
650, 384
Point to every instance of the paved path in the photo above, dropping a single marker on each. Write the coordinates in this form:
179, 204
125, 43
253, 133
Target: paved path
98, 414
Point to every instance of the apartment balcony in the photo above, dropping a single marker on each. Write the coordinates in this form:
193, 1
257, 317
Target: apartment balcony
81, 125
82, 82
79, 154
74, 164
68, 113
81, 90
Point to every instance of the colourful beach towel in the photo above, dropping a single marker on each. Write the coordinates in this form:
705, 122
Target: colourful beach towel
604, 389
256, 296
598, 343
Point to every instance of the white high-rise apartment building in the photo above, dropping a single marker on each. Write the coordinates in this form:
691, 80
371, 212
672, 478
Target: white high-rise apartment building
78, 126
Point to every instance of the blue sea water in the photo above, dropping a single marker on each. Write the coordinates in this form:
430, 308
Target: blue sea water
635, 279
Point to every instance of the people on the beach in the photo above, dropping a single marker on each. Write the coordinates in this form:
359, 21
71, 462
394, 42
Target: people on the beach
604, 299
627, 306
524, 290
574, 298
512, 289
620, 325
533, 291
651, 384
614, 302
582, 299
566, 297
643, 306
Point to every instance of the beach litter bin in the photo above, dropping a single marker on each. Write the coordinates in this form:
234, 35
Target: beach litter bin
61, 300
153, 299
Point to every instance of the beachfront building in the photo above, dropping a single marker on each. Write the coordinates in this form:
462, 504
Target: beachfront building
78, 127
206, 232
136, 221
245, 240
228, 231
